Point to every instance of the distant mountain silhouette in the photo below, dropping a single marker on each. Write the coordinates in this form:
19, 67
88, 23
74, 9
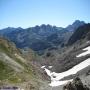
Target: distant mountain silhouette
80, 33
75, 25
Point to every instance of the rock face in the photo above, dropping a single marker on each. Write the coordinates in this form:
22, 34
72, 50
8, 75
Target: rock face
81, 33
76, 84
75, 25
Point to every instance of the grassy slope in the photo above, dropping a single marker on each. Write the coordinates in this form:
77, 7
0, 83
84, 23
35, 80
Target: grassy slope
8, 75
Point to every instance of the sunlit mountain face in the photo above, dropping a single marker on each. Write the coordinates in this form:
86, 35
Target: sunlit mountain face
40, 38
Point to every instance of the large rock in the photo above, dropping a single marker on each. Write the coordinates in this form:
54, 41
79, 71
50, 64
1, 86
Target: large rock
76, 84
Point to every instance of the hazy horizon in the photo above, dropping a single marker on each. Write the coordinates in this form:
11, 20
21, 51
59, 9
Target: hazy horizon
29, 13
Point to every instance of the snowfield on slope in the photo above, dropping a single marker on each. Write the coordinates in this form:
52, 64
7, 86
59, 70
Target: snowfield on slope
87, 51
56, 77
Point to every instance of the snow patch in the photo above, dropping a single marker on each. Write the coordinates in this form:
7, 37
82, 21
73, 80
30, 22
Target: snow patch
43, 67
56, 77
84, 53
50, 66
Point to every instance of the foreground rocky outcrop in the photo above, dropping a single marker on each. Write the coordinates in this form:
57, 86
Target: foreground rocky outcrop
76, 84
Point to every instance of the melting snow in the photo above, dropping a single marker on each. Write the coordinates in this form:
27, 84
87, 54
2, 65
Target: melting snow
50, 66
56, 77
84, 53
43, 67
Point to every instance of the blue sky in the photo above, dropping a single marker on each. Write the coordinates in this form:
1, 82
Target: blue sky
28, 13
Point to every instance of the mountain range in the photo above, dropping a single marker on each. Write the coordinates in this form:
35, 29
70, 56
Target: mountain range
40, 38
24, 51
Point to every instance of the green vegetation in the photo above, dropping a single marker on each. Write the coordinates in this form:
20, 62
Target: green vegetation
3, 48
7, 73
5, 70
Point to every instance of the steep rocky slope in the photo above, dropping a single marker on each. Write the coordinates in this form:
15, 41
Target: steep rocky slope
75, 25
69, 56
68, 53
16, 70
81, 33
